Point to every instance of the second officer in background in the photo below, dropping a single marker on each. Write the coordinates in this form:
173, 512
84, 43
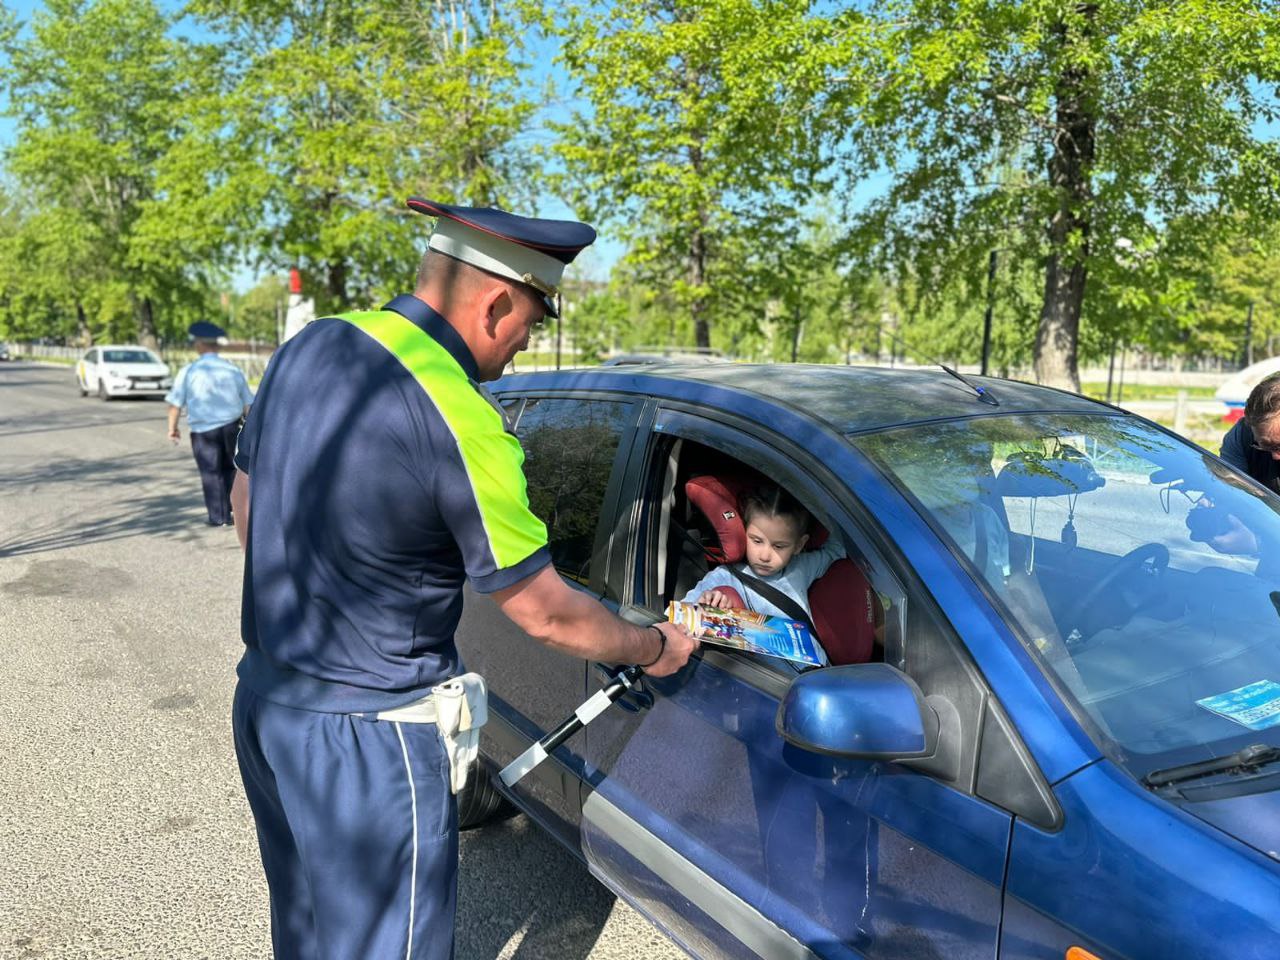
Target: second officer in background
216, 396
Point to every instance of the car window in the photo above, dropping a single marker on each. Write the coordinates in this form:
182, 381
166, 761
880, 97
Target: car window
129, 356
1140, 570
682, 540
570, 446
91, 356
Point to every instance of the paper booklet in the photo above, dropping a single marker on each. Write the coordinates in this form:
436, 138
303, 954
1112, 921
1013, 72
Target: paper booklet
750, 631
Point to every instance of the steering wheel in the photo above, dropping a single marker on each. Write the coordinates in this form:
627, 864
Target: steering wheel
1084, 612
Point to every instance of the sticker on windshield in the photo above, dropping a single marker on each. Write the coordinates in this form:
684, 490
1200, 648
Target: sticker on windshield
1255, 705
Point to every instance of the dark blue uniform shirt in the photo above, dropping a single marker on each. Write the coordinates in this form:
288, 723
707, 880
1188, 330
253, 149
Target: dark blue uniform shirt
363, 523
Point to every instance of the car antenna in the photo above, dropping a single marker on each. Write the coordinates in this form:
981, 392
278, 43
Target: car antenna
985, 395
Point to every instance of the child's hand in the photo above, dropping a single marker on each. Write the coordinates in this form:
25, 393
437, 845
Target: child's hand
714, 598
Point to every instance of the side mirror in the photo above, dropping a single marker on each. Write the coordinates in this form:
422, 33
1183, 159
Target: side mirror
869, 711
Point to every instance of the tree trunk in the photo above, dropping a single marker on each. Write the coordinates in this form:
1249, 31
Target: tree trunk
796, 323
336, 285
84, 336
1065, 274
142, 310
698, 258
697, 276
1059, 330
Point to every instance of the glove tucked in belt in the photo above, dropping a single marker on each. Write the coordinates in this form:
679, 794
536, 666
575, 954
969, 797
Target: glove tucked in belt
462, 708
459, 708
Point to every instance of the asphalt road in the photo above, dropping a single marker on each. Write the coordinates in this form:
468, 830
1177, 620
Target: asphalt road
123, 828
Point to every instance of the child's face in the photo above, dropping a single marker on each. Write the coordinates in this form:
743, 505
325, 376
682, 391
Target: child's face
771, 543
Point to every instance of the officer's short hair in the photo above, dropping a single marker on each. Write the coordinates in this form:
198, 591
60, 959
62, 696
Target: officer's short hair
1264, 401
442, 269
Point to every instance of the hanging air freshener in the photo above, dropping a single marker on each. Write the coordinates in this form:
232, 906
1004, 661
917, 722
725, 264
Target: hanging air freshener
1069, 528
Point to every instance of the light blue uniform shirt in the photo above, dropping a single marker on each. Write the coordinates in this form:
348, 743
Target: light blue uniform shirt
794, 581
213, 390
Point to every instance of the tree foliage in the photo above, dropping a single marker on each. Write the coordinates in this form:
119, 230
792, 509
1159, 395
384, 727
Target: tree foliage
790, 178
95, 90
691, 136
1058, 130
338, 109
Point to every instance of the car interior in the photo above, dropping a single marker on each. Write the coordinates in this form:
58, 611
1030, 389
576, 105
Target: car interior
701, 527
1125, 632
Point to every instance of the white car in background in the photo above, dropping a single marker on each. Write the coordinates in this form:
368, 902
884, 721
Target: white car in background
122, 371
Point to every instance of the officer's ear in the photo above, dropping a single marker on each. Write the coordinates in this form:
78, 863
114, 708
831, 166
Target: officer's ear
496, 302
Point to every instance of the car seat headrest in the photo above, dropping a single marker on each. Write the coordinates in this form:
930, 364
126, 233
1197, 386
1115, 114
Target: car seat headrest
718, 497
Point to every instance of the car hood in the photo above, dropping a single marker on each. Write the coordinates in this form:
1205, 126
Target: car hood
1253, 818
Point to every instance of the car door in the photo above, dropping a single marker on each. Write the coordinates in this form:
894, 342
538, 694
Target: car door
743, 846
89, 369
573, 445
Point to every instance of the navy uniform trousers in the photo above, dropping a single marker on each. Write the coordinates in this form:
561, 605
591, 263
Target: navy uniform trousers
358, 831
214, 451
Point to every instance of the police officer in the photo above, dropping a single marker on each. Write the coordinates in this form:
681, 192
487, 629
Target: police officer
374, 477
1253, 444
216, 396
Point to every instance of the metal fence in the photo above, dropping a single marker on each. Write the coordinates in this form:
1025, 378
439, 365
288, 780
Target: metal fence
542, 357
253, 364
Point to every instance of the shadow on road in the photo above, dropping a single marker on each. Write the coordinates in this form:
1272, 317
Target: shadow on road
158, 514
51, 424
513, 900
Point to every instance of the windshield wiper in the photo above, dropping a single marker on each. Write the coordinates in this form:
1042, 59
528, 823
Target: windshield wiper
1245, 759
985, 395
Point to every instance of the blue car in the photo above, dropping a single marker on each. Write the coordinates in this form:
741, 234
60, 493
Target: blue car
1051, 723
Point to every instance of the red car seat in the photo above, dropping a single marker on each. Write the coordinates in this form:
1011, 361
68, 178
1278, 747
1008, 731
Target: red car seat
842, 603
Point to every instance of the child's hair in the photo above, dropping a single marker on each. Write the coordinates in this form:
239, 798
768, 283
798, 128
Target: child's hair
772, 501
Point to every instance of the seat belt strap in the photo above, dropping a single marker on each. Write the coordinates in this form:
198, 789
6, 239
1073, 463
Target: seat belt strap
775, 596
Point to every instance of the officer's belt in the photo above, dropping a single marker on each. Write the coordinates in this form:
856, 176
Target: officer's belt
420, 711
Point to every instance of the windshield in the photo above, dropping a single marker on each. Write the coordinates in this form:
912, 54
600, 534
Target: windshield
128, 356
1139, 570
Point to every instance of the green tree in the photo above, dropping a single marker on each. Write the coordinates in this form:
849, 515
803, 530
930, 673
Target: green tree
338, 109
1059, 130
95, 89
693, 135
260, 312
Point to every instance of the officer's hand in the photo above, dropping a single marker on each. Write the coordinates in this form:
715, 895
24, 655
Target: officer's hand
175, 435
680, 644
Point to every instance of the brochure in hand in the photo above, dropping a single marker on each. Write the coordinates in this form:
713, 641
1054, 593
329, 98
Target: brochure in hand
750, 631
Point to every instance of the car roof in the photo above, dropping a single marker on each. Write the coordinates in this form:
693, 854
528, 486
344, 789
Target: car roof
851, 399
120, 346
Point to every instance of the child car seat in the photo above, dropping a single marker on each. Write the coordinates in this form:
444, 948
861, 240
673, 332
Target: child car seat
842, 604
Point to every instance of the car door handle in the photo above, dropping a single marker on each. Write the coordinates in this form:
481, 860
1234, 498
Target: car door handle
634, 700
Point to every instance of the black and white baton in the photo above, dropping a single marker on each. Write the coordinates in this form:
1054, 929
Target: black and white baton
591, 708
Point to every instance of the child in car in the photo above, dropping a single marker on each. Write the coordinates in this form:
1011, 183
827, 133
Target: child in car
777, 528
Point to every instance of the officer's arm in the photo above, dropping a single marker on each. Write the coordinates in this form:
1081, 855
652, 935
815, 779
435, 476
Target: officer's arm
240, 506
569, 621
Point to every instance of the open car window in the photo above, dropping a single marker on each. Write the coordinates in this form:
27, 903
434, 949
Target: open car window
683, 545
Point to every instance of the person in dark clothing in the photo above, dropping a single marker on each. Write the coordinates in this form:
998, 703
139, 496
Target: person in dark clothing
374, 478
1253, 444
